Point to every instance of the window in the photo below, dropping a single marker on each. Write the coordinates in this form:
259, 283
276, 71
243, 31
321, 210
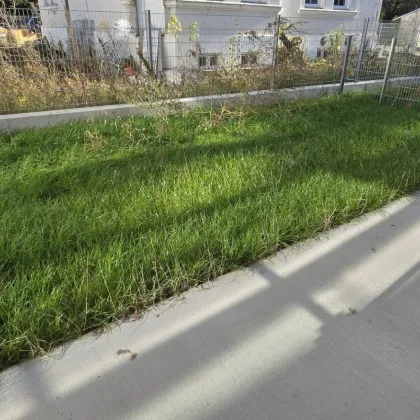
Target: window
202, 61
213, 59
50, 4
248, 60
321, 53
340, 4
312, 3
208, 61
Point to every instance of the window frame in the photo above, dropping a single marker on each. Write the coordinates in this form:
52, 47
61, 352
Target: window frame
340, 7
249, 63
316, 5
321, 53
208, 57
49, 4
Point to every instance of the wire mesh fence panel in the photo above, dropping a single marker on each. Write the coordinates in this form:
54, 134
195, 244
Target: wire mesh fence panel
404, 75
80, 58
368, 61
403, 86
259, 50
19, 18
73, 60
223, 54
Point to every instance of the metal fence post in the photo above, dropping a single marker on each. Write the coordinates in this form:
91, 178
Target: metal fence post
361, 50
137, 8
275, 52
70, 33
149, 38
387, 70
345, 64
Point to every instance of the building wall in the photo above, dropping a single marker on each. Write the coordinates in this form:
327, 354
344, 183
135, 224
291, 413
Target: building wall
355, 9
228, 31
224, 27
410, 29
54, 16
155, 6
311, 24
114, 19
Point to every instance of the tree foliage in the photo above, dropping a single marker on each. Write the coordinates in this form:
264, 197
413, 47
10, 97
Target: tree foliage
394, 8
10, 4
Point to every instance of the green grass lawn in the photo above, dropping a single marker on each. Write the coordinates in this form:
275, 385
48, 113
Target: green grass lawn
101, 219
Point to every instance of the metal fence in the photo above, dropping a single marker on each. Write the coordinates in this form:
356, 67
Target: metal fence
402, 69
19, 18
61, 59
390, 52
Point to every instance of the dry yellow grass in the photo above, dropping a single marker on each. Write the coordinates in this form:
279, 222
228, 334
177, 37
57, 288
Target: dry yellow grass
40, 76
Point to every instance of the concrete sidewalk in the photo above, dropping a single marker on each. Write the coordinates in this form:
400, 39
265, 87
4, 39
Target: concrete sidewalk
326, 330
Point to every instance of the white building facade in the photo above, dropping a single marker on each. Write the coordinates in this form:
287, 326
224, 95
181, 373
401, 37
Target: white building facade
200, 33
409, 30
